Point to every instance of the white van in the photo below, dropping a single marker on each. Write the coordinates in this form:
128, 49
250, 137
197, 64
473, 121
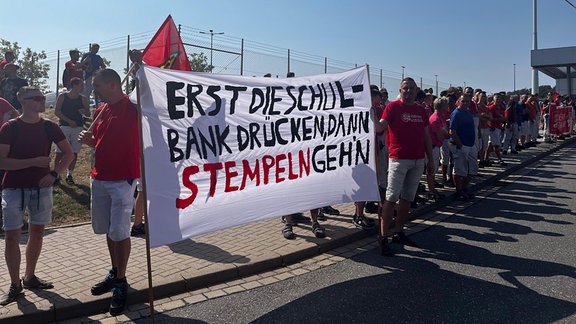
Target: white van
50, 99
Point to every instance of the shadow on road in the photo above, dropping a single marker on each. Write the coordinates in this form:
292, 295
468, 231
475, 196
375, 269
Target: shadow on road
417, 290
206, 252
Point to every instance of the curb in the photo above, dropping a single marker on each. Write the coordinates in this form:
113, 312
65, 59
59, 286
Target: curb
184, 282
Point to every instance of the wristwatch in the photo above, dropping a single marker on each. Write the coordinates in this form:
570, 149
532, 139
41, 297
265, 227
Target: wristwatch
54, 174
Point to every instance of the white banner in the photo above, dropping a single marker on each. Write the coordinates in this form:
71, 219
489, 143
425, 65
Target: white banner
222, 150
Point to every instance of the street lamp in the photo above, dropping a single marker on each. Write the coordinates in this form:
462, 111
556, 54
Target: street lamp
211, 33
403, 72
514, 77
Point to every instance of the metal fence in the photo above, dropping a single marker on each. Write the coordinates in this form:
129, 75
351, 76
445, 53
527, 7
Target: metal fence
232, 55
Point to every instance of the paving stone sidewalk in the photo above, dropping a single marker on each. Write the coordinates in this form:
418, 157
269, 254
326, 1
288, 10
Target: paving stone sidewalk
74, 258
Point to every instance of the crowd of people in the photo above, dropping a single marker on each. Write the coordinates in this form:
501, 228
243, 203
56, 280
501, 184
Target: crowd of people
29, 174
424, 142
427, 142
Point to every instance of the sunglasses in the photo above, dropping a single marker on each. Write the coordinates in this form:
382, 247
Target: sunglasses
37, 98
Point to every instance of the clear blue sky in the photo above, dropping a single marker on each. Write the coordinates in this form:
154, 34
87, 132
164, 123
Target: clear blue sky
477, 42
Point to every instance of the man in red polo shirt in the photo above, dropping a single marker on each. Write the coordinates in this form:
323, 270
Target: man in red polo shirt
408, 140
116, 168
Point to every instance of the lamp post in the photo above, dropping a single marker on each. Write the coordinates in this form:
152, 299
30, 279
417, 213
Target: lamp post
211, 33
514, 77
535, 85
403, 72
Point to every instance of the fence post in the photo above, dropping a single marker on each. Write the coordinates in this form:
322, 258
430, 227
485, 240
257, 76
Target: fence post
128, 63
242, 58
57, 74
288, 62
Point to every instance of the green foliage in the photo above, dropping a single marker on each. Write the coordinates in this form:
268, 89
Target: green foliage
106, 61
542, 92
519, 92
199, 63
544, 89
31, 69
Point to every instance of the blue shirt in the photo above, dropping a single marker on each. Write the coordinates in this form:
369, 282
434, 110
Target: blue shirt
519, 112
462, 122
95, 64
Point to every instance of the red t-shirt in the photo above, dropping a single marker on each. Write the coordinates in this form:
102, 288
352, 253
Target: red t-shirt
378, 111
483, 109
496, 111
117, 154
71, 72
436, 125
33, 141
406, 125
473, 109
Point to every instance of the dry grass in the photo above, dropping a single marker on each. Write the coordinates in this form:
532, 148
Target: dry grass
72, 203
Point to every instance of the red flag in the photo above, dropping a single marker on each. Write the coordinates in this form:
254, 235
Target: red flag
166, 50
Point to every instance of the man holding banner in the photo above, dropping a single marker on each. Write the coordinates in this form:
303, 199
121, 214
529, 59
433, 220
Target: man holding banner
116, 168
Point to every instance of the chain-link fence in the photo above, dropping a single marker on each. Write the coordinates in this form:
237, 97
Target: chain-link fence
232, 55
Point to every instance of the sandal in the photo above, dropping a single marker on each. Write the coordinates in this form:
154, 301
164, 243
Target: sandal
288, 232
318, 230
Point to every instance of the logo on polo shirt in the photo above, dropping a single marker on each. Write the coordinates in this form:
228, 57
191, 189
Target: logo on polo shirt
411, 118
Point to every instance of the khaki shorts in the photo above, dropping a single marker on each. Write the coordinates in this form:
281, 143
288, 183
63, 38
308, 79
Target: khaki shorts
445, 153
483, 139
382, 165
435, 158
465, 160
495, 137
71, 134
112, 204
403, 179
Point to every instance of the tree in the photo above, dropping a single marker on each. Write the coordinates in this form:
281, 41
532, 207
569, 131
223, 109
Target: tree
519, 92
199, 63
544, 89
106, 61
31, 69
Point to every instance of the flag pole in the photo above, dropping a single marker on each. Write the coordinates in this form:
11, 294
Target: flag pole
144, 198
100, 114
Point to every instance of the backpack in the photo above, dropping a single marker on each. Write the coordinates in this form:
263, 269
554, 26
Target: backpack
14, 129
65, 80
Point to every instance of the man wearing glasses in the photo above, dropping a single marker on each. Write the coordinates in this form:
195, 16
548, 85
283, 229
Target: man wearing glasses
25, 155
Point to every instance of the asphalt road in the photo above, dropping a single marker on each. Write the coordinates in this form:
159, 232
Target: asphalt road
508, 258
